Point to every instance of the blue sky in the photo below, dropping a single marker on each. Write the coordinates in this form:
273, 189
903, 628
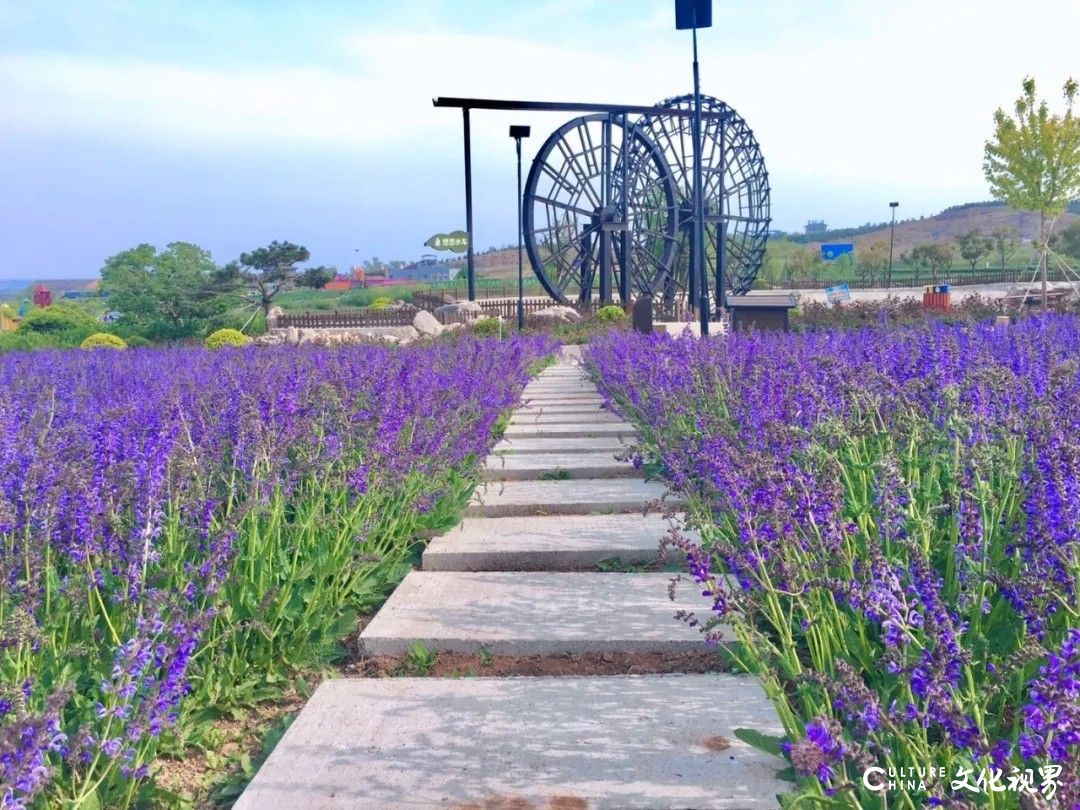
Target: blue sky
230, 123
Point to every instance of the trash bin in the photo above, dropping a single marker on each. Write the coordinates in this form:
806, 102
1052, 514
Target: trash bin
937, 297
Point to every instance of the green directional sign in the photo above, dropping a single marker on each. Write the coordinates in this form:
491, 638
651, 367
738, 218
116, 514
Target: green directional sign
455, 241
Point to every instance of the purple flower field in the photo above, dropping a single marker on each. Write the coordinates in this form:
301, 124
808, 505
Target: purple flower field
890, 524
182, 531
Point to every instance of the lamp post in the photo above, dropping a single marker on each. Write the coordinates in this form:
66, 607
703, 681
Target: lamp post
695, 14
892, 234
517, 132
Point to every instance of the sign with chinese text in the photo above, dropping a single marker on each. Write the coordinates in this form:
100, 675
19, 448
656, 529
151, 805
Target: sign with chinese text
455, 241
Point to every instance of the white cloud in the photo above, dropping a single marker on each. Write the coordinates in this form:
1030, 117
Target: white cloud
894, 96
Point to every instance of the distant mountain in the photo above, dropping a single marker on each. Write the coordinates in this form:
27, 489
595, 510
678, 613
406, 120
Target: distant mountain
11, 287
950, 223
20, 287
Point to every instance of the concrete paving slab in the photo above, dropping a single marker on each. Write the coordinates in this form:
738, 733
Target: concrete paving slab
534, 613
562, 407
564, 380
573, 497
552, 399
559, 384
560, 445
574, 430
549, 418
539, 466
552, 392
551, 543
620, 743
562, 370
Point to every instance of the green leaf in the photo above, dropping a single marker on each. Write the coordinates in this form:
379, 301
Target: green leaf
345, 623
763, 742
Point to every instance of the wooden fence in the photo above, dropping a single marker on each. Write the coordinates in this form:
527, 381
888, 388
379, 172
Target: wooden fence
347, 318
506, 309
956, 277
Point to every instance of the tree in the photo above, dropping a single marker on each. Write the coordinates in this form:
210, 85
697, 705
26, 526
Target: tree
1067, 242
934, 257
316, 277
1005, 241
1032, 162
973, 246
375, 266
271, 269
803, 265
871, 260
174, 294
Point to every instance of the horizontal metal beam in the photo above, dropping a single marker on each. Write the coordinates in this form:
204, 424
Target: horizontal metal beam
560, 106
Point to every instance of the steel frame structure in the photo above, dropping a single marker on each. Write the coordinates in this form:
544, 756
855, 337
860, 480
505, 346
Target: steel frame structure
624, 210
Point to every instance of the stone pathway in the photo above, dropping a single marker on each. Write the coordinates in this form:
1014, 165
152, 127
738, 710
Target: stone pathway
521, 576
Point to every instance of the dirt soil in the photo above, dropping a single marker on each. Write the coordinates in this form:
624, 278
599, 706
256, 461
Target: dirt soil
460, 665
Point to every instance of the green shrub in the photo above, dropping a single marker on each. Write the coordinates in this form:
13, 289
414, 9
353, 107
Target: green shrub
487, 327
382, 302
28, 341
103, 340
610, 314
137, 342
227, 337
67, 324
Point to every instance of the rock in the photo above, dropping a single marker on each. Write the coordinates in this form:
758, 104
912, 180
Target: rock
454, 326
292, 335
426, 324
270, 339
272, 316
461, 311
558, 315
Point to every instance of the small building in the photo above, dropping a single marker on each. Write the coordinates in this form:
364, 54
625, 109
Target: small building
339, 283
816, 226
427, 269
9, 321
761, 312
42, 296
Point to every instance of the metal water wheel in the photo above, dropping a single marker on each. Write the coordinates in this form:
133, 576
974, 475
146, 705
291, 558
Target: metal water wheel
736, 192
600, 212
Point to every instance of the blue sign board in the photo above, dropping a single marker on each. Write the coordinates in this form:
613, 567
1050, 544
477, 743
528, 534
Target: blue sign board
837, 294
834, 250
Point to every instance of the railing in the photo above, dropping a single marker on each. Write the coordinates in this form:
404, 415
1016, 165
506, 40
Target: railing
956, 277
347, 318
673, 311
433, 299
506, 309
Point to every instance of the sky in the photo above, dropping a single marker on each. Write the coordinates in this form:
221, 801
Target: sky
230, 123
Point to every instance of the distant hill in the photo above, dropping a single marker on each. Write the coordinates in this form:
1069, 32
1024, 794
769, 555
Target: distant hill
19, 288
955, 220
951, 222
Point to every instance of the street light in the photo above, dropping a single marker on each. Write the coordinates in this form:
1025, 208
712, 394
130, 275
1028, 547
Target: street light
517, 132
892, 233
695, 14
